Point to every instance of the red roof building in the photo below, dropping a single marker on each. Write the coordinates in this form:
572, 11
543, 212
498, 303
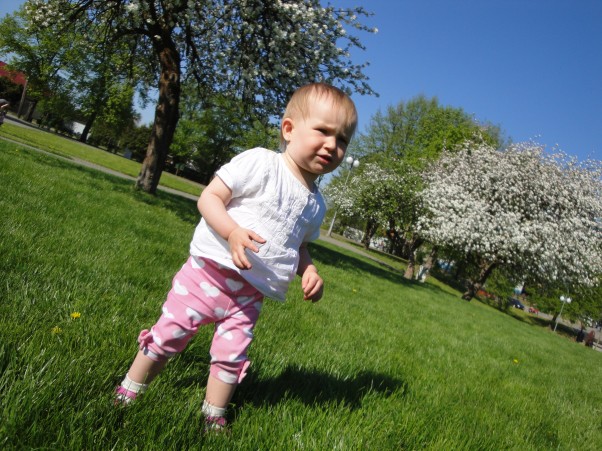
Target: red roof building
13, 75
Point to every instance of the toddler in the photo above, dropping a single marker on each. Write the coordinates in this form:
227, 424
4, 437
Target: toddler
258, 213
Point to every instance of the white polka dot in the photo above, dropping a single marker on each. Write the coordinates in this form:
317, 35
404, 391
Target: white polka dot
209, 289
197, 263
237, 358
179, 333
248, 332
179, 288
244, 300
193, 314
226, 377
219, 312
234, 285
226, 334
166, 313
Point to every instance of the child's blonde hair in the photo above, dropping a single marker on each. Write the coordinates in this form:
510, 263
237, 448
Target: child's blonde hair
298, 105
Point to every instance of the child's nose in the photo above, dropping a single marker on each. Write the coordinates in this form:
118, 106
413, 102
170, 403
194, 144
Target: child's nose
331, 142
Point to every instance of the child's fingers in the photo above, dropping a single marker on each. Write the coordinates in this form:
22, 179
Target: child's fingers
312, 289
240, 259
314, 295
250, 245
256, 237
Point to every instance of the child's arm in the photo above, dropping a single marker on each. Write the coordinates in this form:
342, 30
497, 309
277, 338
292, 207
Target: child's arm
212, 205
311, 282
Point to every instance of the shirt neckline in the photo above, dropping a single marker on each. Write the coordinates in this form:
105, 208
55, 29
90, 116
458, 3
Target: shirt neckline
290, 173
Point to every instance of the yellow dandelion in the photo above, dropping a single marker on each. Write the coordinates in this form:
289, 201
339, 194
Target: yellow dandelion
515, 360
75, 315
56, 330
354, 290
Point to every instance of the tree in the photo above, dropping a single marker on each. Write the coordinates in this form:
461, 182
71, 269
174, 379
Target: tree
403, 142
417, 131
375, 194
209, 134
101, 76
534, 213
34, 52
586, 300
251, 50
115, 117
134, 139
10, 90
74, 71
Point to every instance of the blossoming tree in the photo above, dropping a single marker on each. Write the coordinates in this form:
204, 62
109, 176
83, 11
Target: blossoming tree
397, 145
374, 194
536, 214
253, 50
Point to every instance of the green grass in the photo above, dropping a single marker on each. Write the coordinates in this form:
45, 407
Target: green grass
70, 148
379, 363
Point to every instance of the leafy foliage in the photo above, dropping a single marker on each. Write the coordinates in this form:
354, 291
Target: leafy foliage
209, 134
10, 91
418, 130
254, 51
395, 148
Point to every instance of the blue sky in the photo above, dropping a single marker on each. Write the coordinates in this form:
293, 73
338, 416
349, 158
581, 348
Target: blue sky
533, 67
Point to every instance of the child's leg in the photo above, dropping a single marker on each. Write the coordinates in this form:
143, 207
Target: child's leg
229, 362
140, 374
170, 335
219, 393
144, 369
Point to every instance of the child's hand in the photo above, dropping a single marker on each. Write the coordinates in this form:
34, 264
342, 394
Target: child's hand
312, 285
239, 240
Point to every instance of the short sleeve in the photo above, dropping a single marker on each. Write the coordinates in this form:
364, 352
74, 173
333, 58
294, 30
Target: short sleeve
313, 230
245, 173
312, 235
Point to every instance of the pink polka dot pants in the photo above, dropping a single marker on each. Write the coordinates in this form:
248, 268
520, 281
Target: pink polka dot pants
203, 292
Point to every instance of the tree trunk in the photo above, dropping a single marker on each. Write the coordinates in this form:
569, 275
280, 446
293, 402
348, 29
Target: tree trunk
84, 137
166, 119
475, 286
413, 246
430, 260
369, 232
31, 107
428, 265
396, 241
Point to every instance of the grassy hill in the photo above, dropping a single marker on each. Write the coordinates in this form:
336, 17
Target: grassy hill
380, 363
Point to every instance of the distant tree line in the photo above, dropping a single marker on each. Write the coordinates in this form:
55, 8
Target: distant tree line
435, 184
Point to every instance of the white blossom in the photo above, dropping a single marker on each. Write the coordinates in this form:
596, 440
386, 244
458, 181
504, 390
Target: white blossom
520, 207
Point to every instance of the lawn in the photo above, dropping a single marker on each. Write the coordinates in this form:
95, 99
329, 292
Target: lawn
380, 363
70, 148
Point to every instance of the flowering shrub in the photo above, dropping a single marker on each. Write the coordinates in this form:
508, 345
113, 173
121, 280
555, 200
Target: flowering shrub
536, 213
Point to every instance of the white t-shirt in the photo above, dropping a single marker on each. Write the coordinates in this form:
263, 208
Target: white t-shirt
268, 199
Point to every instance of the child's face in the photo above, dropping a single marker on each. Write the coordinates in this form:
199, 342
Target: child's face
317, 143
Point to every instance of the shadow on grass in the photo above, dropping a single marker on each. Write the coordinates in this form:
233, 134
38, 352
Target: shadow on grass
531, 320
315, 387
342, 260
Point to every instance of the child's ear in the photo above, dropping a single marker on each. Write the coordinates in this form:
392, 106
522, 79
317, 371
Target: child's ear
287, 128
